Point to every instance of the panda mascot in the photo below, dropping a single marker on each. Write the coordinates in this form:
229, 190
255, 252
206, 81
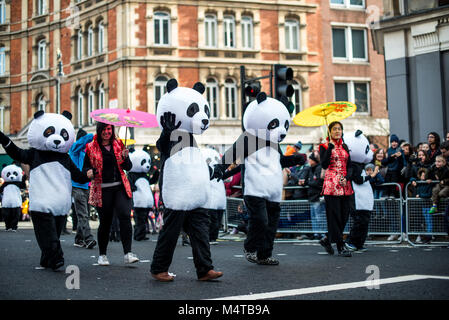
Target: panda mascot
216, 203
11, 197
266, 122
184, 179
360, 154
140, 182
50, 137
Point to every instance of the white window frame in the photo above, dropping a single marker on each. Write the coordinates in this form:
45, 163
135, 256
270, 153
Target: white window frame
161, 16
41, 7
231, 99
291, 25
160, 85
2, 60
348, 42
211, 86
101, 96
297, 88
229, 31
80, 107
210, 31
2, 118
100, 44
79, 49
2, 11
247, 32
351, 92
41, 103
41, 54
347, 5
90, 104
90, 41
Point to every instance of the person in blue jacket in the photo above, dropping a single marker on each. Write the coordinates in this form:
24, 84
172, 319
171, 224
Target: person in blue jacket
80, 193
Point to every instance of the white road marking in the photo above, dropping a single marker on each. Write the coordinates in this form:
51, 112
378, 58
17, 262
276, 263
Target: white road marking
332, 287
27, 240
143, 261
281, 254
238, 255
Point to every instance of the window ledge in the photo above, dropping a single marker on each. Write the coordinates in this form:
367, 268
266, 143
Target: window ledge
350, 8
356, 62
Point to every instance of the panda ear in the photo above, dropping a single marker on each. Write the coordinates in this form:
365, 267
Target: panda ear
358, 133
4, 165
131, 150
39, 114
67, 114
171, 85
261, 97
199, 87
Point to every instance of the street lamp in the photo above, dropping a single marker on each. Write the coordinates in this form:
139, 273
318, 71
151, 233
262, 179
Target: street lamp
58, 81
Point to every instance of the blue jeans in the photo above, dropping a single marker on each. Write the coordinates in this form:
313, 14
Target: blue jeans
428, 219
318, 216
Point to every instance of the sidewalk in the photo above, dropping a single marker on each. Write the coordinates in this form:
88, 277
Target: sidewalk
29, 225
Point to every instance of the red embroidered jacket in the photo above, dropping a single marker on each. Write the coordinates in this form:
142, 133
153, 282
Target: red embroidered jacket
93, 151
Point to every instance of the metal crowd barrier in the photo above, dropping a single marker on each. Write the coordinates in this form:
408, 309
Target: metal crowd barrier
421, 223
295, 216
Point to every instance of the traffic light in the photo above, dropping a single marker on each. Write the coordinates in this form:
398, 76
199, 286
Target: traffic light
282, 77
252, 89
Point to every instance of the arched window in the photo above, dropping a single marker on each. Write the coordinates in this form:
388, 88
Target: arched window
231, 99
212, 97
292, 35
41, 54
79, 45
297, 97
90, 41
2, 11
247, 32
161, 28
100, 44
159, 89
90, 104
2, 60
80, 106
41, 104
210, 24
101, 96
229, 32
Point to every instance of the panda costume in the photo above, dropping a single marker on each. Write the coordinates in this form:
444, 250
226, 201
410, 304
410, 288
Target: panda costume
184, 179
50, 137
216, 203
140, 182
360, 154
266, 122
11, 196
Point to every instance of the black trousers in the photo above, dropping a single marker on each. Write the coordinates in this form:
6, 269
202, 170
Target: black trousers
11, 217
140, 223
47, 229
263, 220
338, 209
359, 230
115, 201
215, 223
196, 224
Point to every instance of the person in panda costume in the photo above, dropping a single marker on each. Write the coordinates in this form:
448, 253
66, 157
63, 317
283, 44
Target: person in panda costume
361, 154
140, 182
50, 137
216, 203
11, 197
184, 180
266, 122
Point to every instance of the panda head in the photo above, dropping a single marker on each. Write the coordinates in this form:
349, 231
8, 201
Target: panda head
141, 161
211, 156
51, 132
12, 173
267, 118
358, 146
189, 106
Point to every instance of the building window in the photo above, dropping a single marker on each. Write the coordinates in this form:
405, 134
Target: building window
231, 99
41, 7
90, 104
90, 41
212, 97
2, 118
355, 92
100, 37
2, 11
101, 97
210, 25
159, 90
297, 97
41, 103
79, 45
349, 44
2, 61
229, 32
292, 35
348, 3
80, 107
161, 28
247, 32
41, 54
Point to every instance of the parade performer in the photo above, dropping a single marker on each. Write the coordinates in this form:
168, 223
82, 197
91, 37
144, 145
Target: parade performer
11, 197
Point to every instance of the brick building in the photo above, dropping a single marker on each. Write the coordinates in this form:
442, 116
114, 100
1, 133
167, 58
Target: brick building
121, 53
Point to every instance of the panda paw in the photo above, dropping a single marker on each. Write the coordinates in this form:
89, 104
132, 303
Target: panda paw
217, 172
4, 140
168, 120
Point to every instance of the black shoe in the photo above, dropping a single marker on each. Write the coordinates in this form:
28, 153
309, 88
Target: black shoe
57, 265
79, 244
327, 245
270, 261
344, 253
250, 256
90, 244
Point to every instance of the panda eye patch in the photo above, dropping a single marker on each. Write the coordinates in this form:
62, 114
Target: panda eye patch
206, 109
8, 174
273, 124
286, 125
193, 109
367, 150
49, 131
15, 173
143, 162
64, 134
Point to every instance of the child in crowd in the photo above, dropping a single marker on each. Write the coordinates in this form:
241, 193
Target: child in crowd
376, 179
439, 171
422, 190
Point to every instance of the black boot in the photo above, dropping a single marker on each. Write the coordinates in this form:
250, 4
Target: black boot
327, 245
342, 251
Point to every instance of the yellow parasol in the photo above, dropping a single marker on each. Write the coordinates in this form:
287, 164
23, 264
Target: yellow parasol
324, 113
128, 141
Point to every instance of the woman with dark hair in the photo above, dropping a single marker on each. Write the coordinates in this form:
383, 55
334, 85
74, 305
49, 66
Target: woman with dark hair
110, 191
337, 190
433, 139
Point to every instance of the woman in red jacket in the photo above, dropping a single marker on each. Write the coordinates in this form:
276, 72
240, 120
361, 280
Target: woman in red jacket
337, 189
110, 191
